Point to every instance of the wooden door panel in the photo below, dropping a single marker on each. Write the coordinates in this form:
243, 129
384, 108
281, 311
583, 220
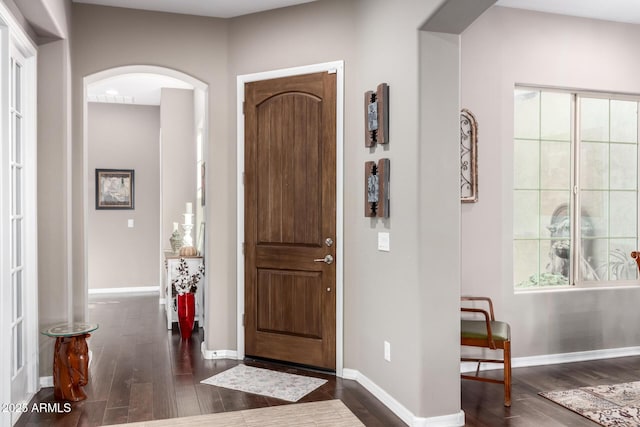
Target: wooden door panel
289, 182
274, 256
290, 209
289, 302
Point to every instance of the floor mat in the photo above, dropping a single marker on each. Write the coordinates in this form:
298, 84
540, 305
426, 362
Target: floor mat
266, 382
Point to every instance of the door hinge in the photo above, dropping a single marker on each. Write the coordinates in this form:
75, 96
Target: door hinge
242, 319
244, 108
244, 248
244, 178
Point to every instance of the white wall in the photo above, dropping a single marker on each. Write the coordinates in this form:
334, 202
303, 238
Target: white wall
502, 48
125, 137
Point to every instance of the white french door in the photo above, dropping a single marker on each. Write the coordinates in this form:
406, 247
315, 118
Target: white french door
19, 379
19, 375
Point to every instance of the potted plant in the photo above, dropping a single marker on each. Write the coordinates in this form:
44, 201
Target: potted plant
185, 285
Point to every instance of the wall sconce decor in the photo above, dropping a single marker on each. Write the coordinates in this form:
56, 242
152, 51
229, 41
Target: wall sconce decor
376, 189
468, 157
376, 116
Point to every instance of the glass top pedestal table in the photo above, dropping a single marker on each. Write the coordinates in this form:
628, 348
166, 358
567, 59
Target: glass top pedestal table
70, 359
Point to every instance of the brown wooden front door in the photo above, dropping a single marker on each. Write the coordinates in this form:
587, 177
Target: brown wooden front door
290, 213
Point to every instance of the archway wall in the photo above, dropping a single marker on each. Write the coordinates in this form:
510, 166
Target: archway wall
124, 137
193, 46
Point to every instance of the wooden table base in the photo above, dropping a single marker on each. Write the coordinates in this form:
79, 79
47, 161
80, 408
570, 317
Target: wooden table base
71, 367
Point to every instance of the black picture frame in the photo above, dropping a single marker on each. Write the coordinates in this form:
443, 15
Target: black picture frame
115, 189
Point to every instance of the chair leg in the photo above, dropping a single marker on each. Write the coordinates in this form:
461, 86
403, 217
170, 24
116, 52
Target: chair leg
507, 373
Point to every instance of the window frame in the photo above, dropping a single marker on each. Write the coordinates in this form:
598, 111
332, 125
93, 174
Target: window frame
575, 281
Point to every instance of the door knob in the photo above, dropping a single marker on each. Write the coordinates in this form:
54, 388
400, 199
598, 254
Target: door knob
327, 259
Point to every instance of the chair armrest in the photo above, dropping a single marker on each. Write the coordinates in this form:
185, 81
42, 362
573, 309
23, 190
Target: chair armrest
487, 320
485, 299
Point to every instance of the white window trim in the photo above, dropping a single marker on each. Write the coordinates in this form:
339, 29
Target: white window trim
576, 94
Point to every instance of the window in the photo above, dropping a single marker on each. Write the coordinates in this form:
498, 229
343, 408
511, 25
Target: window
574, 153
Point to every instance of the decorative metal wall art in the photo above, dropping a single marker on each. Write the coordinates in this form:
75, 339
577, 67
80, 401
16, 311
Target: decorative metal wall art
376, 189
376, 116
468, 157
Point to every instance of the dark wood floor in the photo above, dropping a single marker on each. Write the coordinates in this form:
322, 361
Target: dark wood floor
482, 402
140, 371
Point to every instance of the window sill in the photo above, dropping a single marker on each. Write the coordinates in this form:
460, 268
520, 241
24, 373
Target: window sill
598, 287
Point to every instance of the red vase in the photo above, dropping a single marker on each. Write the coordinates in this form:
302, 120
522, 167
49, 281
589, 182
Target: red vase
186, 314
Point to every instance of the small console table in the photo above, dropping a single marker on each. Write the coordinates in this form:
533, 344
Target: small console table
70, 359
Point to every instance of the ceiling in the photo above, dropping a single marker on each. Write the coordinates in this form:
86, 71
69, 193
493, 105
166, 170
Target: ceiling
133, 88
608, 10
214, 8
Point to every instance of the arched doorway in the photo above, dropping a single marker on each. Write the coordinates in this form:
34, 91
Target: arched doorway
157, 205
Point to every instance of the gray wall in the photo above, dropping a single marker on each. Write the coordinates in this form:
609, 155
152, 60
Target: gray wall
387, 295
105, 37
55, 297
508, 46
54, 305
178, 160
125, 137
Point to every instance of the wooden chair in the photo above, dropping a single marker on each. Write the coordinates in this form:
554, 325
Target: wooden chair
487, 333
636, 255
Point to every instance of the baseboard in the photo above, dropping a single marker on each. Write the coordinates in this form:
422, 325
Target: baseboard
129, 290
453, 420
555, 359
46, 382
218, 354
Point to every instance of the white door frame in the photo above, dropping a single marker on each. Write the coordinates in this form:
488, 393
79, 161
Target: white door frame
331, 67
13, 37
198, 85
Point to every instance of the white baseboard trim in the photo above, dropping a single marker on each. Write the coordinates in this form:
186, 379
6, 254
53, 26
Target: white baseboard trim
218, 354
453, 420
46, 382
554, 359
129, 290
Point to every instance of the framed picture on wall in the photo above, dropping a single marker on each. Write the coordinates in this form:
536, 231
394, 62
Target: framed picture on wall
115, 189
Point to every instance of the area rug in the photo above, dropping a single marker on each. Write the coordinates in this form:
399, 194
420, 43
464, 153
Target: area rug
608, 405
328, 413
280, 385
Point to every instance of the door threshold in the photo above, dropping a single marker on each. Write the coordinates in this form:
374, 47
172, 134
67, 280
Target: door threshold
282, 365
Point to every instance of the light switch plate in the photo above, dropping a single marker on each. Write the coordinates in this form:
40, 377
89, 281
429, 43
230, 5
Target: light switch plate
383, 241
130, 223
